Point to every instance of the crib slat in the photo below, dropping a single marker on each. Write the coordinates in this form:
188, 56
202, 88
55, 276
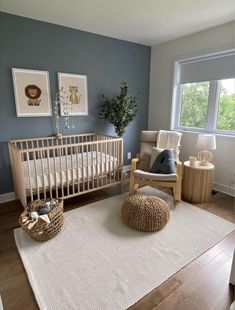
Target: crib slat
37, 145
115, 156
92, 165
55, 176
121, 161
101, 162
97, 166
36, 173
116, 160
43, 145
83, 185
106, 174
61, 173
66, 169
71, 156
29, 174
43, 174
113, 163
49, 172
77, 162
110, 172
87, 167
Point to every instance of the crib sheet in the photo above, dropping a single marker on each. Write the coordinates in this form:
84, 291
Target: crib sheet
74, 168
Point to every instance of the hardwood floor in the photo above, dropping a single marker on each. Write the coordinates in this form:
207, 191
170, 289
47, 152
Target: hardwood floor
201, 285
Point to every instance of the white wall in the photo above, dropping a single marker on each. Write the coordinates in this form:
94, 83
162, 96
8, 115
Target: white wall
163, 56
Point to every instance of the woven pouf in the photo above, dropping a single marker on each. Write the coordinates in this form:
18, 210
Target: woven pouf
146, 213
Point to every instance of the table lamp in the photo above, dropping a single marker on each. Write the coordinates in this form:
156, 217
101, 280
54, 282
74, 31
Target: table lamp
205, 143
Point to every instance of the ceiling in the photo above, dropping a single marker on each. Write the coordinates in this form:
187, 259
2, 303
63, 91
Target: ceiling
147, 22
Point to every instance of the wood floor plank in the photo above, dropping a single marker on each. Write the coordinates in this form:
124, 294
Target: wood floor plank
225, 303
167, 288
213, 284
156, 297
174, 300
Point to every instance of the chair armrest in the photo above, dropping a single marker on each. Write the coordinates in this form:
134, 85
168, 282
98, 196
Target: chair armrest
179, 168
134, 163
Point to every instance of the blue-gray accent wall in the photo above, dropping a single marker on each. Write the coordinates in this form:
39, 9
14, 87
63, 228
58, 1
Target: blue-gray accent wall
30, 44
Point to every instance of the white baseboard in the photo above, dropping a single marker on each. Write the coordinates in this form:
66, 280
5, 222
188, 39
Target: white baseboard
224, 189
7, 197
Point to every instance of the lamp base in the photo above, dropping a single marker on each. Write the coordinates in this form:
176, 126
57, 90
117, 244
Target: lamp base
204, 157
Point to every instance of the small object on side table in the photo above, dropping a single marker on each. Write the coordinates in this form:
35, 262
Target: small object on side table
205, 143
197, 182
192, 160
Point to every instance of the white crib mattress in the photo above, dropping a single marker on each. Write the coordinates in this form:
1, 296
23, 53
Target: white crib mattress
55, 171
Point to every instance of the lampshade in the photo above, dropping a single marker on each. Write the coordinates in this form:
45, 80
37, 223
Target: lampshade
206, 142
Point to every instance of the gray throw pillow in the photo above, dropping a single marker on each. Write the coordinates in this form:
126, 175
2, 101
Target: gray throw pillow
164, 163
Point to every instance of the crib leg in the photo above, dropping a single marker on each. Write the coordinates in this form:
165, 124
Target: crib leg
23, 201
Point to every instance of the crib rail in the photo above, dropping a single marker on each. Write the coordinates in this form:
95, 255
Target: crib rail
32, 143
76, 164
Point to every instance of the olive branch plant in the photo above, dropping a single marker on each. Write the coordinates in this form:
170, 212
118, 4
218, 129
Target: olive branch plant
120, 110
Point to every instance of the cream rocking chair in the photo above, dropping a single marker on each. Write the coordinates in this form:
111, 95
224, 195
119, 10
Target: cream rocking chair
140, 166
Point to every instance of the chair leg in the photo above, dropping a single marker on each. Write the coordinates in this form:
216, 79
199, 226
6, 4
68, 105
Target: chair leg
136, 187
174, 193
178, 191
132, 184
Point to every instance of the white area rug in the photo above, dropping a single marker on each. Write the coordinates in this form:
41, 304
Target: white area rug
99, 263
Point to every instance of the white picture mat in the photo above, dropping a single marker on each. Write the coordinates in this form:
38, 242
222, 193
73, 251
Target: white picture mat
24, 77
66, 80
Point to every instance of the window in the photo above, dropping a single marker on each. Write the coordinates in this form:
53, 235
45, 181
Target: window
204, 97
226, 108
194, 103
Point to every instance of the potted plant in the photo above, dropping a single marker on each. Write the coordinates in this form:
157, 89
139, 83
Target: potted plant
120, 110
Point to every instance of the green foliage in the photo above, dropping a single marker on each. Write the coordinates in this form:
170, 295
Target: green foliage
194, 108
226, 112
120, 110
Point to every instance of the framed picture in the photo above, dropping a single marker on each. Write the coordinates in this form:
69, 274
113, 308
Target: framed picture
75, 89
32, 92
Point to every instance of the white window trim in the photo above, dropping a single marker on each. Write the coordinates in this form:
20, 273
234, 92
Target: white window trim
212, 108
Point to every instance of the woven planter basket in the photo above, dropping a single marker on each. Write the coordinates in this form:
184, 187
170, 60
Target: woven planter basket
146, 213
43, 231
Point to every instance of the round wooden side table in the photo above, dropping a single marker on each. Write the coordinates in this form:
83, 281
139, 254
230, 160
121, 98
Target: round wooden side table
197, 182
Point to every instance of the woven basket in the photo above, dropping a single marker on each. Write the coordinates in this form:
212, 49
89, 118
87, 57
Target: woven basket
43, 231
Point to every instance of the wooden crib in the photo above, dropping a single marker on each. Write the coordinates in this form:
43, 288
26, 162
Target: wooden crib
48, 167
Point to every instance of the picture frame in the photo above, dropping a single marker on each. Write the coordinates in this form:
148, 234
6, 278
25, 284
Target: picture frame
32, 92
75, 89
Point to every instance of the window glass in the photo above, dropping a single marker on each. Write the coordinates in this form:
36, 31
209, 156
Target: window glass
194, 104
226, 106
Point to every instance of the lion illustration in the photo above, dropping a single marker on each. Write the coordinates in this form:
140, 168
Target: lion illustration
33, 92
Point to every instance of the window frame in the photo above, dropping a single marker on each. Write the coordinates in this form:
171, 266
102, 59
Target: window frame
212, 107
